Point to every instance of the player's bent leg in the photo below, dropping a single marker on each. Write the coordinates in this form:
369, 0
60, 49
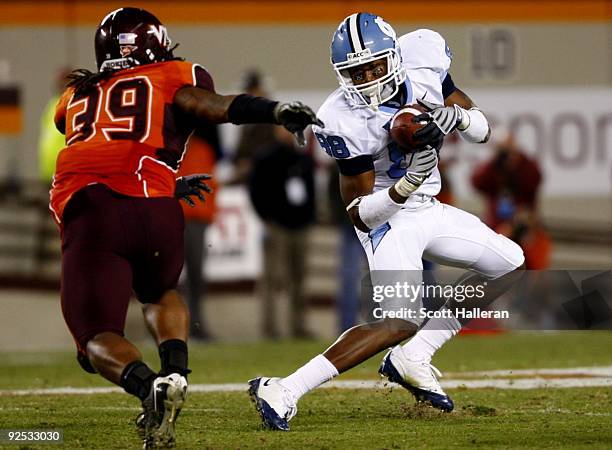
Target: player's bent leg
276, 399
462, 240
166, 316
410, 365
165, 313
498, 264
110, 353
390, 255
162, 397
168, 323
361, 342
96, 278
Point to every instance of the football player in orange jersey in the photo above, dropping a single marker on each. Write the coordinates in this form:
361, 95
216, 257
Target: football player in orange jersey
115, 194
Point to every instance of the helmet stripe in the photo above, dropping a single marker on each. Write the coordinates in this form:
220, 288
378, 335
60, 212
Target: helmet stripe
347, 27
361, 41
354, 32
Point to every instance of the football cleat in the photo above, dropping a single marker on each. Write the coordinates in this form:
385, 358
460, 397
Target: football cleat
419, 377
273, 402
156, 423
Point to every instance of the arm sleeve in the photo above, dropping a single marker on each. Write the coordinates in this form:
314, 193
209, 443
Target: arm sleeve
448, 86
190, 74
355, 166
202, 79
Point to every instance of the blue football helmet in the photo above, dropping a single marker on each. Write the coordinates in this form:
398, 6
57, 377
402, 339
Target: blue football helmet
362, 38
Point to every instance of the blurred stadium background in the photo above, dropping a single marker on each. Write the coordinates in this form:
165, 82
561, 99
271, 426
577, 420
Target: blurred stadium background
542, 70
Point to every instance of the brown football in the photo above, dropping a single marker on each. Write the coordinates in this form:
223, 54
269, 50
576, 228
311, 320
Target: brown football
403, 128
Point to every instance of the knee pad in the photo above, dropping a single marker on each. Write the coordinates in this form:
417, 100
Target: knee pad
501, 256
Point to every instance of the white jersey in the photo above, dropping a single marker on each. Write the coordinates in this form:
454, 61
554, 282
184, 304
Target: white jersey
351, 132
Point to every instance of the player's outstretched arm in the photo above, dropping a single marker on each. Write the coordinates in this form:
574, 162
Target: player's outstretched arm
207, 106
204, 105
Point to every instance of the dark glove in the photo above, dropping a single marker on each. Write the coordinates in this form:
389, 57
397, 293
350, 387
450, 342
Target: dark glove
192, 185
296, 116
435, 144
441, 121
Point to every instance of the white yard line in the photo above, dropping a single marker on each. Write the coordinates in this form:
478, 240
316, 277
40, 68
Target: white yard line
534, 379
601, 371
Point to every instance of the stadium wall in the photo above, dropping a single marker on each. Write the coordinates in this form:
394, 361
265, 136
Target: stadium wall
529, 45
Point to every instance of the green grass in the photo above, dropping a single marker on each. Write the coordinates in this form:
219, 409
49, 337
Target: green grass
377, 419
333, 418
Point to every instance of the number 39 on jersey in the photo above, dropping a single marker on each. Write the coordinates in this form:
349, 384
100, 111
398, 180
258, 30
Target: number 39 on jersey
120, 110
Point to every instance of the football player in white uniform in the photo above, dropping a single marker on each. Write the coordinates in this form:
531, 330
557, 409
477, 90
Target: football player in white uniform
390, 198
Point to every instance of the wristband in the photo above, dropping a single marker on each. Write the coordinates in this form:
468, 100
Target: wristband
474, 126
248, 109
408, 184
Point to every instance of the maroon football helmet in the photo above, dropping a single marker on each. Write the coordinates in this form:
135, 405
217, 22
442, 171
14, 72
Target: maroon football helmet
128, 37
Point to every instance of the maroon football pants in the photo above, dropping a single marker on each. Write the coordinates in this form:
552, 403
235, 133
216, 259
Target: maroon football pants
113, 245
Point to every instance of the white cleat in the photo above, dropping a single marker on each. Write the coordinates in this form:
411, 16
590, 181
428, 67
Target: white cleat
160, 410
419, 377
273, 402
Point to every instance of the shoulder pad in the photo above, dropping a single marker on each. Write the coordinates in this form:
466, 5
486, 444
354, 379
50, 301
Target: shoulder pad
425, 49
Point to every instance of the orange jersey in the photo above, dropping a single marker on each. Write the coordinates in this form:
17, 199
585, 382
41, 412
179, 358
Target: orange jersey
125, 133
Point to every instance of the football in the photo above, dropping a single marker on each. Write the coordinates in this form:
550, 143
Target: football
402, 127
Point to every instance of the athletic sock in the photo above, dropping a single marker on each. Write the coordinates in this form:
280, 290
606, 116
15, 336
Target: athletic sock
174, 357
311, 375
136, 379
430, 338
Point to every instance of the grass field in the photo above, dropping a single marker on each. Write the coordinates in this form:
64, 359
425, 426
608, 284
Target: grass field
381, 418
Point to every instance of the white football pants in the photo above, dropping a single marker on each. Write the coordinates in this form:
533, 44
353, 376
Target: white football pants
442, 234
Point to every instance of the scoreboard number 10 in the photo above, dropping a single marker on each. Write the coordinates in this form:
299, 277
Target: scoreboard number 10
494, 53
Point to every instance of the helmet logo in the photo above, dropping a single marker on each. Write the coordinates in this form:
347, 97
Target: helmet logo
448, 51
160, 33
385, 27
127, 38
